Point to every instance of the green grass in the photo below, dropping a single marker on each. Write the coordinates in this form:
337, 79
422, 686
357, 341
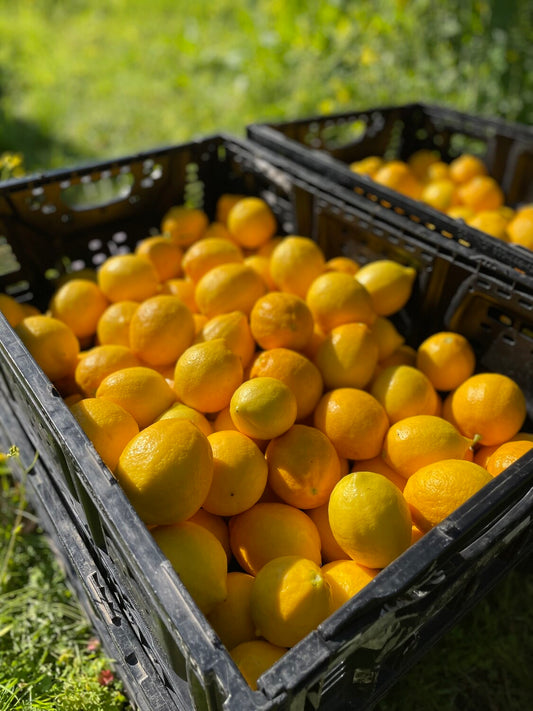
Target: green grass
80, 80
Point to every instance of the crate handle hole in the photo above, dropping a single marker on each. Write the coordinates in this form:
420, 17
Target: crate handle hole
89, 194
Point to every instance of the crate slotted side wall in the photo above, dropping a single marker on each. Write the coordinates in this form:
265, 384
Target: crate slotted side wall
353, 657
327, 144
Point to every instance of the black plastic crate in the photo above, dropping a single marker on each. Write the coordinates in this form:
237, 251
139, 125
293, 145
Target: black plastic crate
328, 144
352, 659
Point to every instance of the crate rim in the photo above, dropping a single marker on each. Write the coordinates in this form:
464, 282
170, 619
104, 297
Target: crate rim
326, 185
413, 213
49, 175
428, 107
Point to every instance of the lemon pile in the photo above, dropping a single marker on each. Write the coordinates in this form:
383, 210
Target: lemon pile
462, 189
265, 417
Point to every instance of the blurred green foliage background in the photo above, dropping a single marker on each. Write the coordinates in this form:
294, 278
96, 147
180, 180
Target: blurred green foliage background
104, 78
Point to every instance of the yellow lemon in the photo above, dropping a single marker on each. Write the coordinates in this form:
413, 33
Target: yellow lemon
79, 303
367, 166
493, 222
224, 204
161, 328
253, 658
232, 617
113, 326
389, 284
416, 441
12, 310
239, 473
271, 529
506, 454
184, 225
128, 277
405, 391
52, 344
387, 336
295, 370
347, 356
335, 298
290, 598
281, 320
198, 558
397, 175
481, 193
303, 466
379, 466
164, 255
260, 263
354, 421
342, 264
182, 288
370, 518
233, 286
490, 406
439, 193
330, 549
435, 491
421, 161
346, 578
263, 407
447, 358
108, 425
207, 374
465, 167
141, 391
251, 222
98, 362
520, 228
166, 471
217, 525
295, 262
181, 411
234, 328
207, 253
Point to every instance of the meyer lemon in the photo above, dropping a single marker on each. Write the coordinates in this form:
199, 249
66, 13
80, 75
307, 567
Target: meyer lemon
232, 617
422, 439
290, 598
303, 466
489, 406
198, 558
434, 491
263, 407
389, 284
254, 657
354, 421
108, 425
239, 473
294, 264
166, 471
271, 529
370, 519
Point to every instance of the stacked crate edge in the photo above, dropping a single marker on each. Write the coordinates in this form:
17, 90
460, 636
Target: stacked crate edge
327, 144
